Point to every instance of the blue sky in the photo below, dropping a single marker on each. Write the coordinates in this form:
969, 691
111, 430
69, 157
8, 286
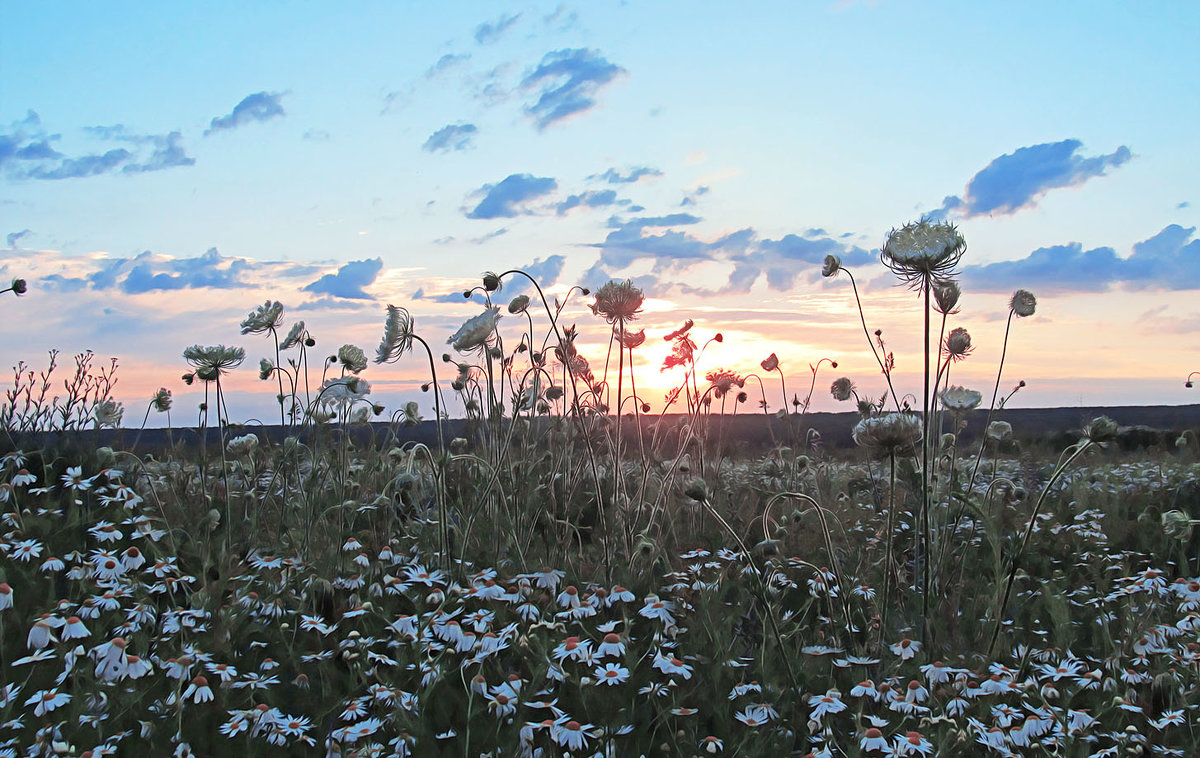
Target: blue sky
165, 169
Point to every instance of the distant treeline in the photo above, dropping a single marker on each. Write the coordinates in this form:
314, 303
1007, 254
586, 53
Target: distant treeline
1145, 426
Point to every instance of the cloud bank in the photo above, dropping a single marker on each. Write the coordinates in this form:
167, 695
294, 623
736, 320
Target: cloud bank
509, 197
27, 152
349, 281
1019, 179
1169, 260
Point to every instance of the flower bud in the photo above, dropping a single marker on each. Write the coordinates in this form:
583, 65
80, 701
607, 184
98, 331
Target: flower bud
1177, 525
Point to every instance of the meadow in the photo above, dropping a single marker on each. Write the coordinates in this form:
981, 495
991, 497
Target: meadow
568, 576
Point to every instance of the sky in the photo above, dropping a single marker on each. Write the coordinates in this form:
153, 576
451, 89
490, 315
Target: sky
165, 169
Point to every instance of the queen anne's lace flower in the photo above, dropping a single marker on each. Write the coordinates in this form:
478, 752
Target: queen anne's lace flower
397, 335
923, 251
889, 433
264, 318
960, 398
618, 301
476, 332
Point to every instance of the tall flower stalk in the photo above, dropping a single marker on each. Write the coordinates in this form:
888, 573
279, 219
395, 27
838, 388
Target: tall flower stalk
922, 255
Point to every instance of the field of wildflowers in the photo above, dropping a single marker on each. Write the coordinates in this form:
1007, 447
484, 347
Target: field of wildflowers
573, 577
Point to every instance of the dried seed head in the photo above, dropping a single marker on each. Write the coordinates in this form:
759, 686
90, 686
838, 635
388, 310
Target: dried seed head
842, 389
1023, 303
832, 265
958, 343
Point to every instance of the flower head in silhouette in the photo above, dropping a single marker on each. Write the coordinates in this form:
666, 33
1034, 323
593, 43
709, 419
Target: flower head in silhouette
923, 252
397, 335
618, 301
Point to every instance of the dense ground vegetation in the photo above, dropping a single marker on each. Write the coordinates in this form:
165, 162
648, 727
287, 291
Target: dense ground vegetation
572, 577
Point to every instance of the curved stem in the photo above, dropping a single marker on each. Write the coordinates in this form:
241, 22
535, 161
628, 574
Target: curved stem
871, 343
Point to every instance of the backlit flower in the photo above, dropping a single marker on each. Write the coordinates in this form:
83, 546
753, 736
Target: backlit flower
397, 335
352, 358
771, 363
162, 400
723, 380
108, 413
264, 318
618, 301
476, 332
889, 433
923, 251
960, 398
958, 343
297, 335
842, 389
210, 362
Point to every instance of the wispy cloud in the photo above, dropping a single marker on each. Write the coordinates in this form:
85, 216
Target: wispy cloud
446, 63
261, 106
492, 30
672, 251
451, 137
508, 198
567, 81
15, 237
349, 280
589, 199
1169, 260
1019, 179
561, 18
26, 152
613, 176
152, 272
693, 197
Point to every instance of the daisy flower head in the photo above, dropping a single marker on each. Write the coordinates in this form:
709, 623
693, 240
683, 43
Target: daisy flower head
198, 690
873, 741
571, 734
912, 743
611, 674
658, 609
905, 648
612, 645
26, 550
671, 665
753, 716
45, 701
830, 702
